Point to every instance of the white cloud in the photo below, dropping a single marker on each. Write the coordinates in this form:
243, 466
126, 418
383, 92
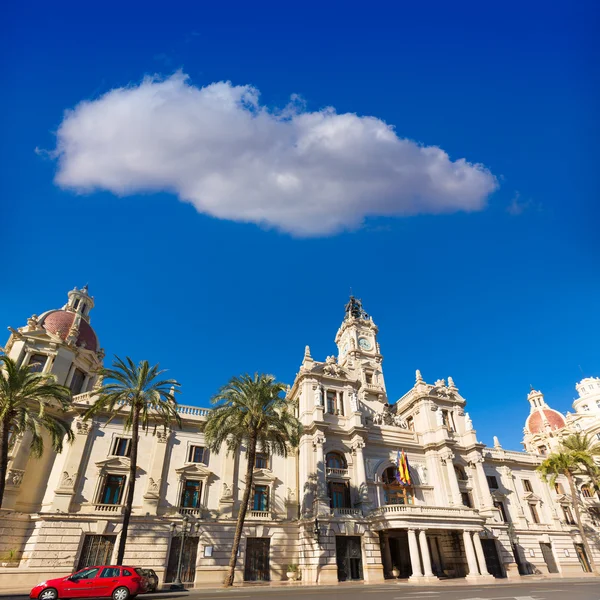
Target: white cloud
217, 147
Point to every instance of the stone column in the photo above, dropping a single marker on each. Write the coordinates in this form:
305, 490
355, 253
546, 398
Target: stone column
470, 552
386, 553
427, 572
484, 490
154, 483
16, 470
480, 554
447, 458
321, 500
67, 483
361, 474
415, 561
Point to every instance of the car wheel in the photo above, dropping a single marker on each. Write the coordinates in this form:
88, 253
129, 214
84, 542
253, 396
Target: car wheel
48, 594
121, 593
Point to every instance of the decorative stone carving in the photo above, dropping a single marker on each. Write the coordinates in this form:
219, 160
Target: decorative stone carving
388, 417
497, 442
371, 467
332, 368
15, 477
419, 378
32, 323
468, 422
153, 486
447, 456
353, 397
162, 435
227, 492
82, 427
357, 445
318, 396
318, 440
441, 389
291, 496
422, 471
439, 417
67, 481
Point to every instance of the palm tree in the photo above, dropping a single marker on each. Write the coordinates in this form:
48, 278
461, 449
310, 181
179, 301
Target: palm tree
148, 399
585, 444
567, 462
27, 401
250, 411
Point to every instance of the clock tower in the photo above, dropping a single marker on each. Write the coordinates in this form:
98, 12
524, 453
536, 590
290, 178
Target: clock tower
358, 350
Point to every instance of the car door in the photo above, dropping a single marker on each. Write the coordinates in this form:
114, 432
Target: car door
107, 581
82, 584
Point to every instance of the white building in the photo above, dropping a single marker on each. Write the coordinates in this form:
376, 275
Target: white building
333, 508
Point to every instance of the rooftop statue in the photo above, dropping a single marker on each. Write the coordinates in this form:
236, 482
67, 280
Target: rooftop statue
355, 310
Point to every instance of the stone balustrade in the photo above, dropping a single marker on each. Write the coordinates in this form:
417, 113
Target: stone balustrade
259, 514
332, 472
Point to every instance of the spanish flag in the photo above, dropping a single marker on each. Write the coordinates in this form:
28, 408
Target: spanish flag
402, 469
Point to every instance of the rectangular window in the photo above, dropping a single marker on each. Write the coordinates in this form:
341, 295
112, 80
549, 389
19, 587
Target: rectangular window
492, 482
261, 461
331, 401
37, 362
121, 447
190, 494
261, 498
558, 488
534, 513
410, 423
527, 485
76, 385
112, 491
568, 515
398, 495
466, 499
368, 378
196, 454
500, 506
339, 495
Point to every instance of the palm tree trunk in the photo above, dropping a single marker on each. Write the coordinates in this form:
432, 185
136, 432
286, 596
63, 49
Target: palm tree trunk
4, 434
131, 488
586, 545
243, 509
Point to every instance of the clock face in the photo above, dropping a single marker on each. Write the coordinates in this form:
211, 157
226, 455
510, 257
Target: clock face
364, 343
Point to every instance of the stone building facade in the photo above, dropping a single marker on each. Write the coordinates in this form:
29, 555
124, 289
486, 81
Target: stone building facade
334, 507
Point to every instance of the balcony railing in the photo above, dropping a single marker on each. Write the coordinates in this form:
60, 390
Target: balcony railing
194, 512
331, 472
110, 508
425, 511
259, 514
346, 512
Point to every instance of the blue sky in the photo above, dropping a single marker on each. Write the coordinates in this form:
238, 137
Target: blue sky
499, 296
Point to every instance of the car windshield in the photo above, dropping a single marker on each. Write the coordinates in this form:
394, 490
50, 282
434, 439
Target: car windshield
86, 574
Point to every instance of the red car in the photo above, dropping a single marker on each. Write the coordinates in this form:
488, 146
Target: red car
118, 583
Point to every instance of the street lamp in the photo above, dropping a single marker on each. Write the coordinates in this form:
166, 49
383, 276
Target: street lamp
177, 585
317, 530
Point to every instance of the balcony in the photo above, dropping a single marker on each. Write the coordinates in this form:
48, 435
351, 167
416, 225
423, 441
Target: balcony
264, 515
331, 472
409, 512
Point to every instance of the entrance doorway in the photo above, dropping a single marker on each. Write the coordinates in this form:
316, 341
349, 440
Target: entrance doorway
492, 560
400, 554
349, 558
583, 559
97, 550
188, 559
257, 559
549, 557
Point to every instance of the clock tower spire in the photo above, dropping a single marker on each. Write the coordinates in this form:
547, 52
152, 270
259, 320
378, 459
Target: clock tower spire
358, 349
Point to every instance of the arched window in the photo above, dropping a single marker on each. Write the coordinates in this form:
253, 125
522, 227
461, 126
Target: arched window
460, 473
335, 460
394, 493
585, 491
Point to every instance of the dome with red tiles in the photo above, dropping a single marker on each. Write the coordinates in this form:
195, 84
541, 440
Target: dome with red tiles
59, 322
535, 421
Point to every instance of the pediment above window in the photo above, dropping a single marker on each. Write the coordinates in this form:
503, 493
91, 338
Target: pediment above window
117, 464
263, 476
194, 471
563, 499
531, 497
498, 495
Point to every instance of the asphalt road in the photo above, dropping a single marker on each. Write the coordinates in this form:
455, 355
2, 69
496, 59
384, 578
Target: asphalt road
557, 589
